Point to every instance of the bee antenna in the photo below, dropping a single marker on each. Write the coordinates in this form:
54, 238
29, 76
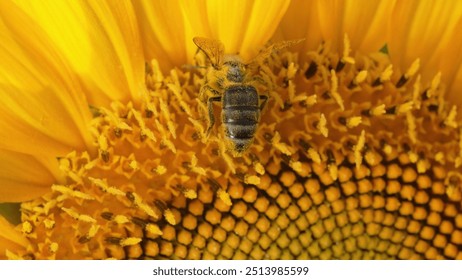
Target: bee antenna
192, 67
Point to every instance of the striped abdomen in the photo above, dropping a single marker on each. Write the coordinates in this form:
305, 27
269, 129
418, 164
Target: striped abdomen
240, 115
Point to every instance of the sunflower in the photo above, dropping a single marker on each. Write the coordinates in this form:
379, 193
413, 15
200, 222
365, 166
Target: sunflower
357, 155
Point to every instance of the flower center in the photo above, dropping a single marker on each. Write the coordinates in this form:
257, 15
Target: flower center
352, 159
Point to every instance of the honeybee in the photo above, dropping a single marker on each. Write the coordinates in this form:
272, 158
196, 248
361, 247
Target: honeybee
233, 83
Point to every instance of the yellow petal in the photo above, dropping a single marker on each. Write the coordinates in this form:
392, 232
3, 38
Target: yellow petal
363, 21
301, 21
23, 177
97, 39
10, 239
44, 111
163, 31
455, 88
428, 30
11, 212
39, 92
40, 123
243, 26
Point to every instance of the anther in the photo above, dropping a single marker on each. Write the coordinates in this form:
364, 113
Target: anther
401, 81
353, 122
168, 214
359, 78
103, 148
107, 216
188, 193
311, 70
386, 74
118, 132
390, 110
358, 149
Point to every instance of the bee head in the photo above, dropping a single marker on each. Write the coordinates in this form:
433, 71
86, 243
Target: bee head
236, 69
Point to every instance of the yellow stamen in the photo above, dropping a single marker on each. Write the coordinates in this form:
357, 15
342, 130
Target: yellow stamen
358, 149
451, 118
322, 126
353, 122
80, 217
334, 90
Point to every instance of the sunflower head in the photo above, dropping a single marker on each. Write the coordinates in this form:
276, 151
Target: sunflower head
352, 156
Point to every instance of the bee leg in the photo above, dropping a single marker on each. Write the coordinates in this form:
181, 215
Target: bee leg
264, 99
210, 109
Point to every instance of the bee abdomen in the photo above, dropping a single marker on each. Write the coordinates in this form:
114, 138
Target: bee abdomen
240, 115
240, 131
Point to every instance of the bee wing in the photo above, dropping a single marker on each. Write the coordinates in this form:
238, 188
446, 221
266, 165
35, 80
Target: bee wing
214, 50
260, 58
